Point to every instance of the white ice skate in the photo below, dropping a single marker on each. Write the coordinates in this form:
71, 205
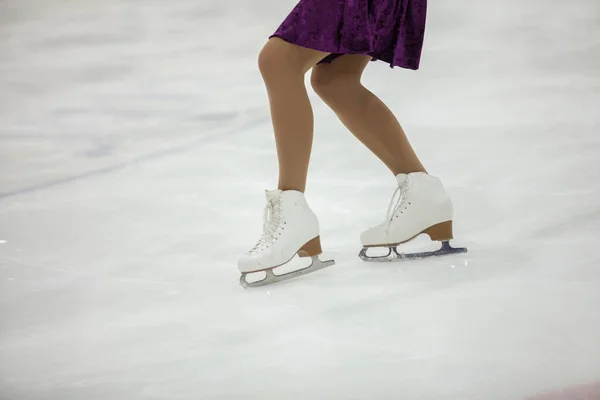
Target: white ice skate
289, 228
423, 206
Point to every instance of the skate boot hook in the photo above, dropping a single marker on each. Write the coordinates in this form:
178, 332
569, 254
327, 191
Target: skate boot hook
422, 207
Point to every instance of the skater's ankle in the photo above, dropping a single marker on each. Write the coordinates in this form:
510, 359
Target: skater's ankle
409, 171
285, 188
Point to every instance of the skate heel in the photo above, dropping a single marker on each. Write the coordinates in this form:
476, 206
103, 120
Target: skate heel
440, 232
311, 248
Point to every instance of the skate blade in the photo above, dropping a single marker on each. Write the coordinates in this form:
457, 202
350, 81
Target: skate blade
393, 254
272, 277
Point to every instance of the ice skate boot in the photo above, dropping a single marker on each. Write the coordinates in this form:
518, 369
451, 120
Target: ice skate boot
419, 205
289, 228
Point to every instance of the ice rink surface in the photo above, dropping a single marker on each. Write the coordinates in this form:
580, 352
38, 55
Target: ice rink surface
135, 145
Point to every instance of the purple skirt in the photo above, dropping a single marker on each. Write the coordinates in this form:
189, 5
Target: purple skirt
387, 30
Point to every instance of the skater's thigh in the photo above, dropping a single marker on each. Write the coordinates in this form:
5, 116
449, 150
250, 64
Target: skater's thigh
280, 55
345, 67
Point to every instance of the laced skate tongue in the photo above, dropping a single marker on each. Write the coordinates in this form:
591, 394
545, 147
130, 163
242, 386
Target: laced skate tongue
395, 205
270, 220
401, 178
272, 194
271, 212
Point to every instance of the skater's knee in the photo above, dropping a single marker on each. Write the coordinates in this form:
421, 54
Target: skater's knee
323, 82
330, 85
276, 60
267, 61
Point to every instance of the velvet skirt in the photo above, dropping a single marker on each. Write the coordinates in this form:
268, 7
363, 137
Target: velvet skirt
387, 30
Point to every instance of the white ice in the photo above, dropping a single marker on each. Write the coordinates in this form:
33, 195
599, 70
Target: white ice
135, 145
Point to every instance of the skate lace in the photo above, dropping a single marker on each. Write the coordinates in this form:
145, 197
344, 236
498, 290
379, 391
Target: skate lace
271, 222
395, 205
